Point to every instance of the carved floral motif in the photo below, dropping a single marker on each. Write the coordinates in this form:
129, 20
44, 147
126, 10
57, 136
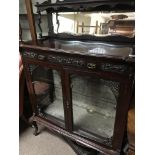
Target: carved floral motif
114, 67
66, 60
79, 62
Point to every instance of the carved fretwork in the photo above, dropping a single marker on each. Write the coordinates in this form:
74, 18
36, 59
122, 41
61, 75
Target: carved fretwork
58, 23
107, 141
66, 60
114, 86
32, 68
30, 55
56, 59
40, 111
50, 23
79, 62
39, 22
114, 68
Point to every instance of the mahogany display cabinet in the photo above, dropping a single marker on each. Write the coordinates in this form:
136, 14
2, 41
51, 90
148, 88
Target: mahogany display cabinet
80, 86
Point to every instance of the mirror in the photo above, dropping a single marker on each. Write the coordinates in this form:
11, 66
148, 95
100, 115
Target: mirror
95, 99
48, 91
95, 23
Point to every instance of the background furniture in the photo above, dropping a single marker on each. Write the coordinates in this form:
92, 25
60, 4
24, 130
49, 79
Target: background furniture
131, 127
131, 131
82, 26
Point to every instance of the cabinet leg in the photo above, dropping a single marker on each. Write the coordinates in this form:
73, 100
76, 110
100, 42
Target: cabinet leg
35, 126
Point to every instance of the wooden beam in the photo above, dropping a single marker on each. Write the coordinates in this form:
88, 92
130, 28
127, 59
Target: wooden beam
77, 28
31, 20
96, 28
82, 27
20, 32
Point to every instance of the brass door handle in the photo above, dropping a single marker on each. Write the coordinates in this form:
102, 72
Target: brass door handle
91, 65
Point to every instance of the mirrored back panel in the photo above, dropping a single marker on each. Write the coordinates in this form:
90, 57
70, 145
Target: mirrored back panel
95, 23
94, 106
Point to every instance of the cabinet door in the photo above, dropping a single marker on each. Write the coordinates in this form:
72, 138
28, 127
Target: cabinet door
94, 101
47, 86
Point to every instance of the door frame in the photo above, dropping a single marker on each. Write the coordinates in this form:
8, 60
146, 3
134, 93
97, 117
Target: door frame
125, 92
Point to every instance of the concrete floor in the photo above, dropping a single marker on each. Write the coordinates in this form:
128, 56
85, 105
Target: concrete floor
43, 144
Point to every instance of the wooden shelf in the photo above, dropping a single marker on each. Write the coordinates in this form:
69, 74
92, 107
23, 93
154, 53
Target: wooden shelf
88, 5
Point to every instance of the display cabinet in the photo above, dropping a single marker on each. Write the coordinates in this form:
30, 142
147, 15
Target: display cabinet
80, 85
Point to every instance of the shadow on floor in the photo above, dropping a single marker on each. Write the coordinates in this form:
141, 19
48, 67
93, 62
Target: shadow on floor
22, 125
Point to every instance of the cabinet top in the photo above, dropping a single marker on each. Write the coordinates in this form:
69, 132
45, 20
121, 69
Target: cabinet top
90, 48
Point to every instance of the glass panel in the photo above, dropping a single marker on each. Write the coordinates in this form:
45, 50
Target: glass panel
95, 23
94, 105
48, 90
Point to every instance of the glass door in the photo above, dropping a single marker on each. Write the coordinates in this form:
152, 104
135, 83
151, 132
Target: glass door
94, 101
48, 91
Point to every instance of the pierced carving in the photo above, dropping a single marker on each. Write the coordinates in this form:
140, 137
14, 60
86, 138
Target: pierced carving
58, 23
39, 22
114, 87
40, 111
107, 141
32, 68
50, 23
30, 55
66, 60
56, 59
114, 68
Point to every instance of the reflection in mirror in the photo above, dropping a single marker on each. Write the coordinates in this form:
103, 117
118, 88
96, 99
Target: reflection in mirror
94, 99
48, 91
97, 23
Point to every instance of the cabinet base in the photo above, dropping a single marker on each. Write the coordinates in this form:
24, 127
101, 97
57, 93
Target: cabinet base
73, 137
81, 150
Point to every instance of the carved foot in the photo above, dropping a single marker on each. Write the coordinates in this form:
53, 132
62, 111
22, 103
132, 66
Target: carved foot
35, 126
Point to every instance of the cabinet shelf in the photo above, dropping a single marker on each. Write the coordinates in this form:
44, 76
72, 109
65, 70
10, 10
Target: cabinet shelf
88, 5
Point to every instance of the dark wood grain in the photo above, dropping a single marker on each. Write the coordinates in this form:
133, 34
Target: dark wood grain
49, 51
121, 114
69, 102
88, 5
105, 150
124, 78
31, 21
65, 100
49, 46
21, 90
